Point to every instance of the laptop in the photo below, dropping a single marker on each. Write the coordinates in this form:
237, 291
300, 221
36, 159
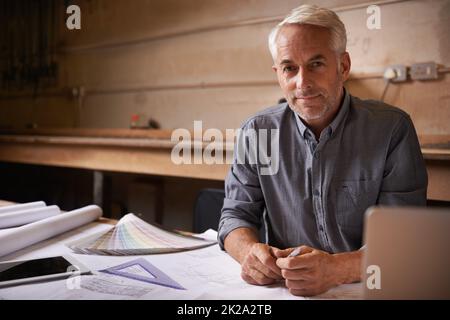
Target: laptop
407, 253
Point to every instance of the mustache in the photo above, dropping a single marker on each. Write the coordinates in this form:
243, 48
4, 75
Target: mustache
307, 93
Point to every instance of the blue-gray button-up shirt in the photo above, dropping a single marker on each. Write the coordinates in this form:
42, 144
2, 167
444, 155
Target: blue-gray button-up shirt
368, 155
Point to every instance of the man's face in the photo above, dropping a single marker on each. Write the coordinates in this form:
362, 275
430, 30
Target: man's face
311, 74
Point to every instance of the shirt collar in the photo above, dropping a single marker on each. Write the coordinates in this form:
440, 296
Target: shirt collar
336, 121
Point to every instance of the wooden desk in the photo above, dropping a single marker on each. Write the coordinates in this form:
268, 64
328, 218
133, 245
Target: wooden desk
148, 152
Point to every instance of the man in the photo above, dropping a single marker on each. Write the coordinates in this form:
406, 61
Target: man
338, 155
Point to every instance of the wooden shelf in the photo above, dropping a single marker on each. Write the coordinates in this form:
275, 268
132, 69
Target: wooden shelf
117, 150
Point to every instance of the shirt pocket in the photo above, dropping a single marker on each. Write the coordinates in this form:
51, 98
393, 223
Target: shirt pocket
353, 197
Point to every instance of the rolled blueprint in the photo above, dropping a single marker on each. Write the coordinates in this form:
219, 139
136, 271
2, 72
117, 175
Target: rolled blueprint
18, 238
19, 218
22, 206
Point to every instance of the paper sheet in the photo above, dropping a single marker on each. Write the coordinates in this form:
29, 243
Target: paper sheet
84, 287
21, 217
21, 237
207, 273
111, 285
21, 206
352, 291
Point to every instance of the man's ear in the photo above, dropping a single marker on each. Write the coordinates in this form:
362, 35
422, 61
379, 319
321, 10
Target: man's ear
346, 64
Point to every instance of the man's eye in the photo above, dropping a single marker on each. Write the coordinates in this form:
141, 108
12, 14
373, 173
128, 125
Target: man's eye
289, 69
316, 64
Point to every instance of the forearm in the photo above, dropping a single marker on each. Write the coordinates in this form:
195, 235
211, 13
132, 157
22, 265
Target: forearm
239, 241
348, 266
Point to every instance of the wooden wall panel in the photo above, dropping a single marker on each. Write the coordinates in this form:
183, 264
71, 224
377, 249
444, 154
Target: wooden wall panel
118, 77
216, 107
241, 54
219, 56
427, 102
411, 32
55, 111
112, 21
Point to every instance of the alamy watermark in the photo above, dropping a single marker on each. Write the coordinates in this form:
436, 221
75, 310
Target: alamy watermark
374, 19
251, 146
373, 281
73, 21
74, 280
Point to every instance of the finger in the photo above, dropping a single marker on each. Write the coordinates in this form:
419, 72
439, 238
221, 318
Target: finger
297, 274
286, 252
278, 253
301, 292
298, 284
265, 268
303, 261
259, 277
252, 261
299, 262
297, 292
248, 279
252, 269
306, 292
306, 249
268, 261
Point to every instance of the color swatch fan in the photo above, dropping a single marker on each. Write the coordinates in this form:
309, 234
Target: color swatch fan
133, 236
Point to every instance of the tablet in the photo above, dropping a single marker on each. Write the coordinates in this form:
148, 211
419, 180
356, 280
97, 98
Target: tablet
36, 270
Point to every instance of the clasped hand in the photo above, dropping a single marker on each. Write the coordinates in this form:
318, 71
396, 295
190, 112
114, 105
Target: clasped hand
310, 273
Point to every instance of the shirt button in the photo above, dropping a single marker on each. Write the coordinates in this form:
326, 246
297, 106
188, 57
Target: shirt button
321, 228
316, 193
316, 155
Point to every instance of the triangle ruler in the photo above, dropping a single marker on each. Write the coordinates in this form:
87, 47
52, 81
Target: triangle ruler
142, 270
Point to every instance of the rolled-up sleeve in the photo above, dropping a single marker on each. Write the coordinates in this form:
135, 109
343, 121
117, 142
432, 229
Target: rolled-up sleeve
405, 177
244, 201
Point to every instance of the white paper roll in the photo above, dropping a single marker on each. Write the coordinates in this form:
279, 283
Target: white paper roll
24, 236
22, 206
19, 218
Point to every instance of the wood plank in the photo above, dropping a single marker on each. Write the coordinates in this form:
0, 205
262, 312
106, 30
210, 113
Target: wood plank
438, 180
435, 141
436, 154
108, 158
433, 146
92, 132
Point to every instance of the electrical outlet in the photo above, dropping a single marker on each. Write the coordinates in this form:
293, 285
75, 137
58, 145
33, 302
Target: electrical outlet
396, 73
424, 71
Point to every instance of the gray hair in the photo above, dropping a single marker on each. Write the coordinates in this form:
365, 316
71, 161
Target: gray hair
313, 15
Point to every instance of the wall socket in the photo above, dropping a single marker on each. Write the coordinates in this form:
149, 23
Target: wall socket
424, 71
399, 73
